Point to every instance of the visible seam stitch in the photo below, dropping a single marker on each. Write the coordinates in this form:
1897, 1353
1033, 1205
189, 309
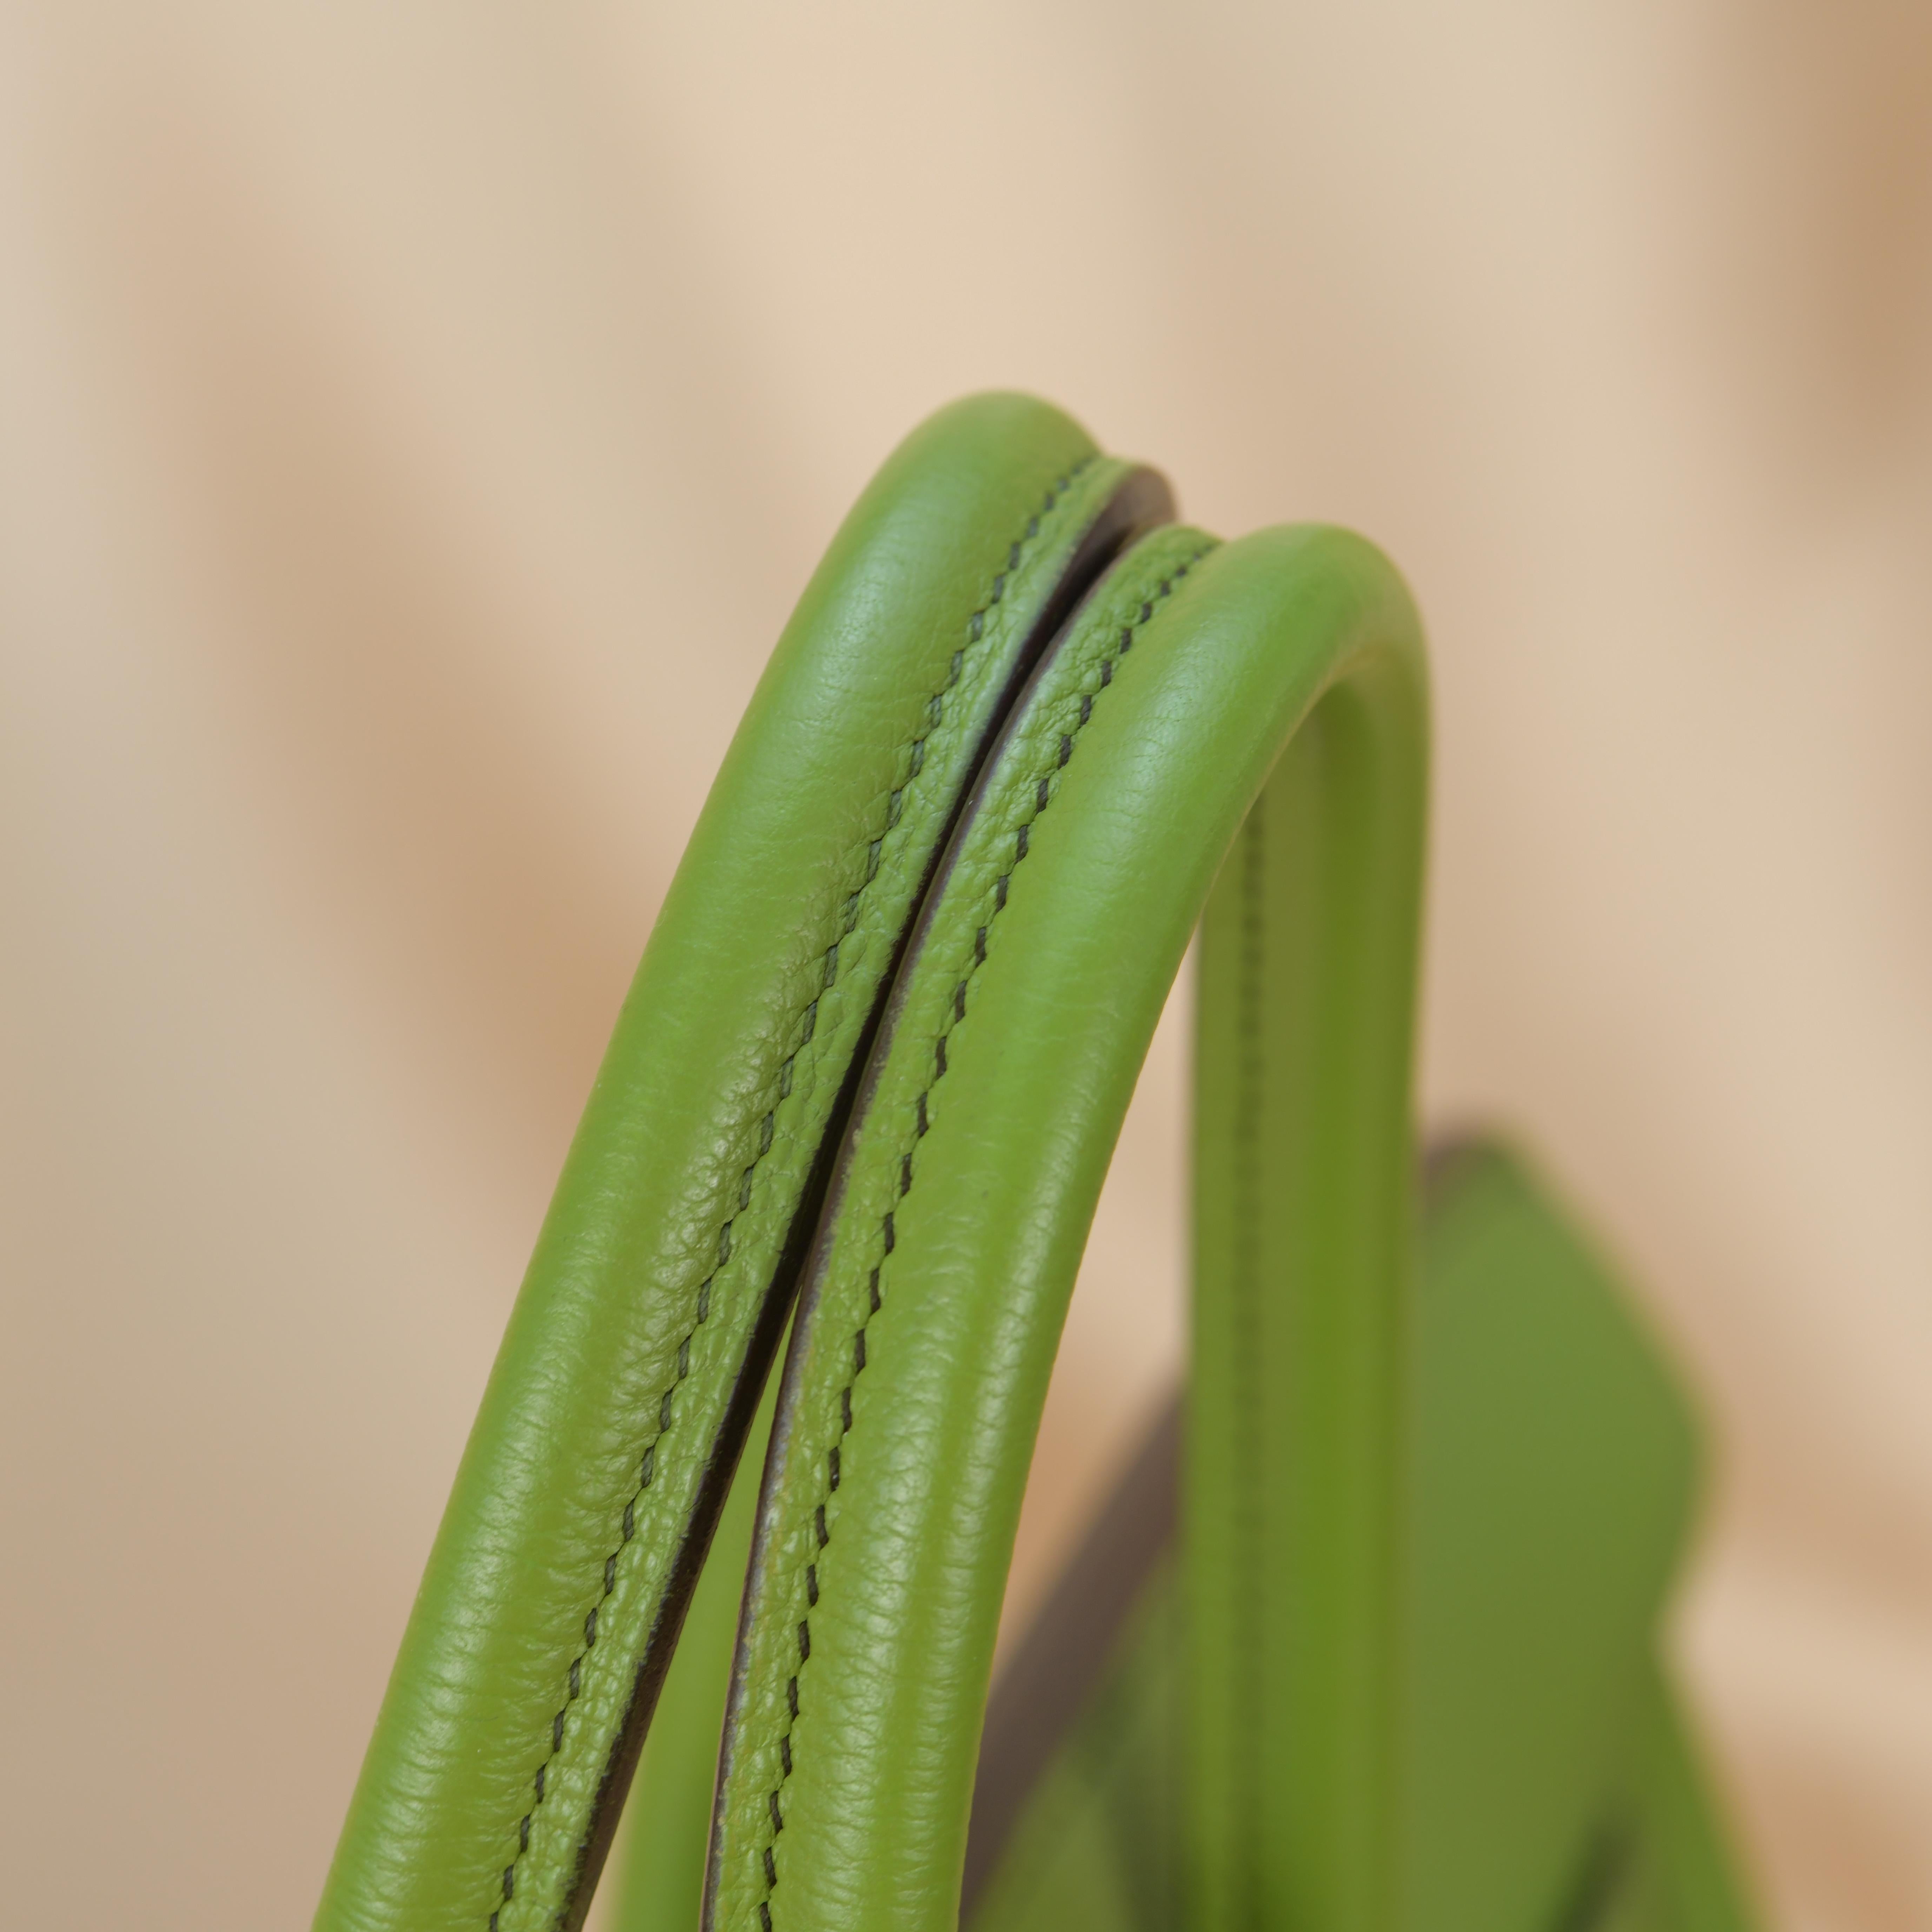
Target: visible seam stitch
807, 1022
1245, 1313
821, 1532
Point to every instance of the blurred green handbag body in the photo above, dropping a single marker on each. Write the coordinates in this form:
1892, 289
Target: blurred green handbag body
1367, 1639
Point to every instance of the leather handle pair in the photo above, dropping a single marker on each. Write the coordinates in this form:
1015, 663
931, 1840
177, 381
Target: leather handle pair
1143, 748
884, 1034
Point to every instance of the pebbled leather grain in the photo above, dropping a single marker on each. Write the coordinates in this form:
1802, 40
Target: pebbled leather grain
665, 1270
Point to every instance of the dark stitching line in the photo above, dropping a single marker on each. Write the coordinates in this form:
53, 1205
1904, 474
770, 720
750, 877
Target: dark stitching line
1246, 1338
889, 1236
807, 1020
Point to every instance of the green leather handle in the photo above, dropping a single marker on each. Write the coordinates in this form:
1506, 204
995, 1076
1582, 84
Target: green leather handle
898, 995
665, 1268
1303, 1179
1150, 740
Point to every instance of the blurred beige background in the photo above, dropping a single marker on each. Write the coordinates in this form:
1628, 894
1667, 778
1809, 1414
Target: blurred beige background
415, 423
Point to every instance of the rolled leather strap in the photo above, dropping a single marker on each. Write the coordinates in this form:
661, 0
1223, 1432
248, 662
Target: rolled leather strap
1263, 703
964, 901
666, 1266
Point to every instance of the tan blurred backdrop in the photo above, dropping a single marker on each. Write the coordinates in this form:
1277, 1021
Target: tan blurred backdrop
415, 423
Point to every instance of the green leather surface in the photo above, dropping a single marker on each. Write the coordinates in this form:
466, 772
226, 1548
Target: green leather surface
1680, 1875
1099, 1848
933, 1304
661, 1853
1552, 1471
1098, 1851
879, 1048
638, 1343
1302, 1183
1547, 1785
